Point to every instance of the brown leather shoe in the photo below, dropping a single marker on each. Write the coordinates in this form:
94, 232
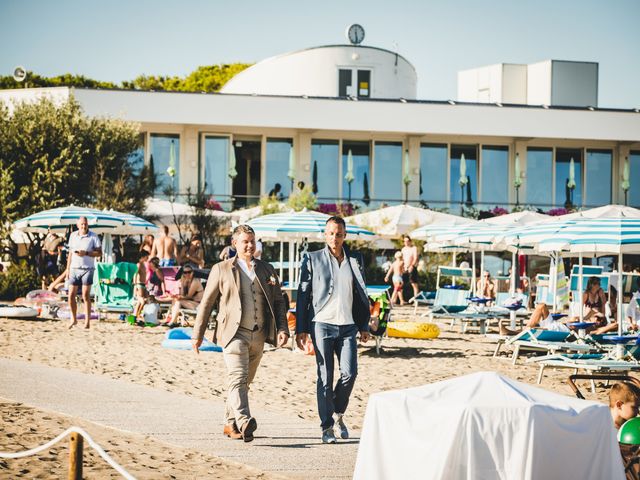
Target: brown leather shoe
248, 428
231, 431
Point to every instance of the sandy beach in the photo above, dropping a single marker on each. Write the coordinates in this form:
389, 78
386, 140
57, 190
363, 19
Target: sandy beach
285, 383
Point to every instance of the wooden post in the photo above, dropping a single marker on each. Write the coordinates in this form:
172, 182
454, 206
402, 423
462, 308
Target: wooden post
75, 456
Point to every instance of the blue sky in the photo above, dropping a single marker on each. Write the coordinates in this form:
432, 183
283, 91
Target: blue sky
120, 39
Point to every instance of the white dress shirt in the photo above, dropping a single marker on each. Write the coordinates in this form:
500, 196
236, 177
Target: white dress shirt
249, 270
337, 310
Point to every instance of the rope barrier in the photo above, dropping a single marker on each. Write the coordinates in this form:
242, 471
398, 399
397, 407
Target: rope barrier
91, 442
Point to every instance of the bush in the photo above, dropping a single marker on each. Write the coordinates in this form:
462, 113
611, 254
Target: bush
19, 279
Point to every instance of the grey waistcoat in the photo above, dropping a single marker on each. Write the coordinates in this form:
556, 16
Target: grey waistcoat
254, 304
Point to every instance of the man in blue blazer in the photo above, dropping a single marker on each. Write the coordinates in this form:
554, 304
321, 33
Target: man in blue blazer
332, 306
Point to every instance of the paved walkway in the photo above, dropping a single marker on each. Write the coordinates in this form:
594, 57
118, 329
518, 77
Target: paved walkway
283, 445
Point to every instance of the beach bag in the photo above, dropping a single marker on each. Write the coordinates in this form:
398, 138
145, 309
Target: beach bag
150, 313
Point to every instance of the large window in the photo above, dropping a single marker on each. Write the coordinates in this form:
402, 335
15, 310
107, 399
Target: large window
564, 194
469, 192
136, 158
387, 172
495, 176
633, 196
217, 154
433, 174
325, 162
358, 188
598, 178
539, 175
165, 159
348, 77
277, 165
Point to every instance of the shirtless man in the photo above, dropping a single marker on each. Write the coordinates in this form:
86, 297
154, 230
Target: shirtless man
165, 248
410, 260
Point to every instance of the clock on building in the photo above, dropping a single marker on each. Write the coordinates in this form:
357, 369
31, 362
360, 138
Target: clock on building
355, 34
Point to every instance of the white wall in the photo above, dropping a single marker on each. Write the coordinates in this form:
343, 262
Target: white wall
514, 84
314, 72
539, 83
12, 97
503, 82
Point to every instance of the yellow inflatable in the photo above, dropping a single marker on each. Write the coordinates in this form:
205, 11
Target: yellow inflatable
412, 330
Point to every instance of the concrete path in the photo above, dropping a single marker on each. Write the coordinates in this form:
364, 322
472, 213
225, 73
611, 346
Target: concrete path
283, 445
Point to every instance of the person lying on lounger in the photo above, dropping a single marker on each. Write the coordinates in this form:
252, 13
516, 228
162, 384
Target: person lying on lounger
540, 318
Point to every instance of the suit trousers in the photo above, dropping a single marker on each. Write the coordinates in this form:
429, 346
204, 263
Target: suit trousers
339, 340
242, 356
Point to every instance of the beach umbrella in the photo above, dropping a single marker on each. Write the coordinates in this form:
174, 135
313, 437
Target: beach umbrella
349, 175
437, 222
232, 172
132, 225
517, 181
365, 188
392, 222
292, 167
299, 225
58, 219
625, 184
314, 178
107, 248
407, 176
572, 174
171, 170
165, 212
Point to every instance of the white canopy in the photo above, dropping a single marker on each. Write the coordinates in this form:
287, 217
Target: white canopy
392, 222
486, 426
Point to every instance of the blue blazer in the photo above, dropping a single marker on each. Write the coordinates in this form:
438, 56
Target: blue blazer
316, 287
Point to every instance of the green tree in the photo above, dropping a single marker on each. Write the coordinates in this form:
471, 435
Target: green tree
211, 78
53, 155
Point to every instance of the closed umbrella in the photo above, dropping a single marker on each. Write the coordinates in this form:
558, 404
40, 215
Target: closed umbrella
107, 248
365, 188
232, 172
625, 184
407, 176
462, 179
292, 167
349, 175
171, 170
517, 181
314, 178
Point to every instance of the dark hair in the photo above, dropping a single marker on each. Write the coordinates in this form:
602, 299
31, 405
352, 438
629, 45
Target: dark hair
243, 228
165, 229
406, 237
592, 281
142, 254
337, 220
195, 237
155, 261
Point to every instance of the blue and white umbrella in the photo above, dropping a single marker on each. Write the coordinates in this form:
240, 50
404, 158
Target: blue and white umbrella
299, 225
132, 225
58, 219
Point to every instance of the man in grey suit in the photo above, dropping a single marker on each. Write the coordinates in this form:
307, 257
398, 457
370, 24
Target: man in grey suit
332, 306
252, 311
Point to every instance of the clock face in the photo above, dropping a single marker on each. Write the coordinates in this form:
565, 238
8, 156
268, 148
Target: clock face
355, 33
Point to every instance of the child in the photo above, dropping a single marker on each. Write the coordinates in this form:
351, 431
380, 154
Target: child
395, 272
142, 294
624, 400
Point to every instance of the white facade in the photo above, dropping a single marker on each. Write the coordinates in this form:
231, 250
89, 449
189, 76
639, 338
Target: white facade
315, 72
551, 82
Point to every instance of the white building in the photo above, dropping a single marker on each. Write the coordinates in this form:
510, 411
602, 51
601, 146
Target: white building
322, 105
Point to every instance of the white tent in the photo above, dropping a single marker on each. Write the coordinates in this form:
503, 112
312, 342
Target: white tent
486, 426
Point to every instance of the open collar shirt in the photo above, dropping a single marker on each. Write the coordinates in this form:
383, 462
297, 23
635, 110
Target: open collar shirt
338, 309
249, 270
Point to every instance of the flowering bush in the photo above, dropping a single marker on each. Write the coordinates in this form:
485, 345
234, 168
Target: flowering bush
555, 212
213, 204
499, 211
342, 209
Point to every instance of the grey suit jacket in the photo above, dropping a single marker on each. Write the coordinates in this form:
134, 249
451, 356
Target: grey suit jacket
316, 287
223, 285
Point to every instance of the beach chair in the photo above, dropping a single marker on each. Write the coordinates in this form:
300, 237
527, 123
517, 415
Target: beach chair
422, 298
543, 295
593, 363
380, 316
114, 287
450, 299
540, 340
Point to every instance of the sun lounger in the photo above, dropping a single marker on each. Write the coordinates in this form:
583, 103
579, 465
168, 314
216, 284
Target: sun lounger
589, 362
540, 340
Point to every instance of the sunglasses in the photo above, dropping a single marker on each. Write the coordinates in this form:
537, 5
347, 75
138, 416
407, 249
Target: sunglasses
184, 272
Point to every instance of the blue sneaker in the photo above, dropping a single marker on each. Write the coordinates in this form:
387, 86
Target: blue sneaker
342, 428
328, 435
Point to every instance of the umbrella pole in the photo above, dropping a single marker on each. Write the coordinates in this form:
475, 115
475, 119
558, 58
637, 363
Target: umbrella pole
620, 347
580, 287
281, 259
555, 280
482, 280
453, 264
473, 273
512, 290
290, 264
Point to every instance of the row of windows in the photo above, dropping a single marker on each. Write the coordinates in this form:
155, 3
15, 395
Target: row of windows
377, 170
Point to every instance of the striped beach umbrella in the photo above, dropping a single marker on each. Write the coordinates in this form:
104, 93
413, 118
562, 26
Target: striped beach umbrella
299, 225
132, 225
58, 219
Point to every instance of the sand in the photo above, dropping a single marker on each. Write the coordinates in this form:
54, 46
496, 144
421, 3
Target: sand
285, 383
